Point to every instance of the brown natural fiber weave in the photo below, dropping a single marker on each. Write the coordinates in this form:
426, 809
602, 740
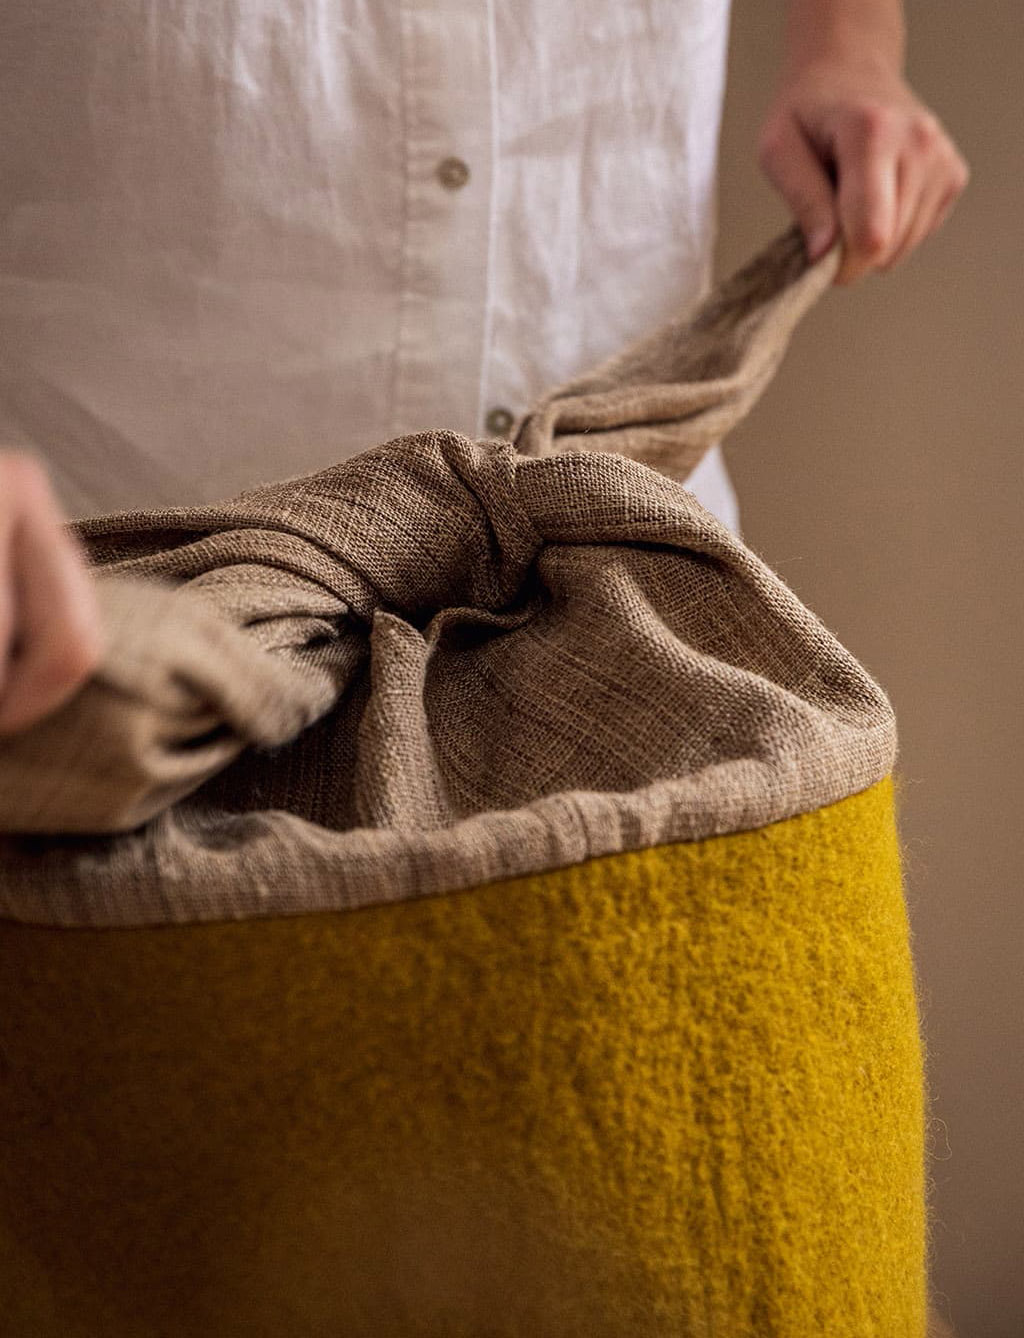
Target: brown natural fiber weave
668, 398
445, 662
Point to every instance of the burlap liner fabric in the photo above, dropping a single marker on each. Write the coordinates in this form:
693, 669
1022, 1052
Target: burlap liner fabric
446, 662
667, 399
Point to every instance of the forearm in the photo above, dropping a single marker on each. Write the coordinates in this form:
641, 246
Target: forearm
872, 31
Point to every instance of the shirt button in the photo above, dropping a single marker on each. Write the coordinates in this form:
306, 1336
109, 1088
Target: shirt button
499, 421
452, 173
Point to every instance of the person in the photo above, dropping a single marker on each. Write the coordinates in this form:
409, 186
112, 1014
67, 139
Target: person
242, 241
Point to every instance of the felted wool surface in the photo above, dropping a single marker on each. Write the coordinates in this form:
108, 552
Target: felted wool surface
670, 1091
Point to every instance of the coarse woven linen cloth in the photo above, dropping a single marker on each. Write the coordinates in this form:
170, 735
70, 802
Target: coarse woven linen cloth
445, 662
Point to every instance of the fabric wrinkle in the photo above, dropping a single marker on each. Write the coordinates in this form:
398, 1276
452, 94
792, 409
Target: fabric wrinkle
425, 664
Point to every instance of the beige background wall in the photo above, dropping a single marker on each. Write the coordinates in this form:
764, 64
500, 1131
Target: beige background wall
882, 477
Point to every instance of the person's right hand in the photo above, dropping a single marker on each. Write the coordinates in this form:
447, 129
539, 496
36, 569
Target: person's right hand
49, 623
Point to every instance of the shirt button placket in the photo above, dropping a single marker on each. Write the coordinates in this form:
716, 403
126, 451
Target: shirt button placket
448, 137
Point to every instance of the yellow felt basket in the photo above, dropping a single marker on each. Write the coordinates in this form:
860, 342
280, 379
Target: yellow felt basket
674, 1091
466, 903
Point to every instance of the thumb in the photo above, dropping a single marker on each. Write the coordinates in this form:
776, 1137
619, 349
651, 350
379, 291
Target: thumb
796, 172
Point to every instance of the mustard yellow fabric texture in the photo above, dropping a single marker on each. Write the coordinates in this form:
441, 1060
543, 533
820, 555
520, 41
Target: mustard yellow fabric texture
675, 1091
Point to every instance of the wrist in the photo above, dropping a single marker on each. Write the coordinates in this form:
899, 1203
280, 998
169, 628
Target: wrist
867, 35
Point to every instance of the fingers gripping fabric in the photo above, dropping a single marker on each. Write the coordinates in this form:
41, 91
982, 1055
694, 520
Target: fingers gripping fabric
466, 900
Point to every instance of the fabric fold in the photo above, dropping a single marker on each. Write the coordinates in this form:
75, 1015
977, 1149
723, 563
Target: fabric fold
669, 398
444, 662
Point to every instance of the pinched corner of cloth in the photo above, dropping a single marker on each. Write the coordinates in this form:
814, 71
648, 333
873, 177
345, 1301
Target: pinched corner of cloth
435, 665
669, 398
179, 693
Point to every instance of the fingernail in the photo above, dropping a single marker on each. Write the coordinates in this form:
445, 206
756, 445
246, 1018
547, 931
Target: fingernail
818, 241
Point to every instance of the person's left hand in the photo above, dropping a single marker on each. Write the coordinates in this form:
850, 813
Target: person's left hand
856, 155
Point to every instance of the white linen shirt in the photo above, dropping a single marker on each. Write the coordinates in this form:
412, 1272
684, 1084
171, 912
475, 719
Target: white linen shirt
241, 240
